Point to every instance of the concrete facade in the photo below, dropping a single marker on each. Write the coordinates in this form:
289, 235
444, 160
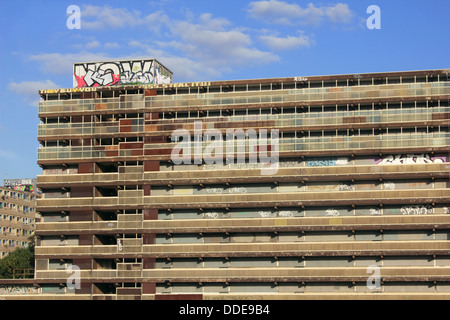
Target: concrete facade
361, 192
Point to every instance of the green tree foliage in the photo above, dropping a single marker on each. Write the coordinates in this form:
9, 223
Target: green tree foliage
20, 258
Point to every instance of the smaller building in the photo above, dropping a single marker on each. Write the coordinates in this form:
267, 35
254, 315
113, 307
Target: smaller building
17, 216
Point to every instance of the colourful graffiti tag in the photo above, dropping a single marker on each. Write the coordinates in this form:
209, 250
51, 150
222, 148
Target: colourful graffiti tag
28, 188
113, 73
324, 162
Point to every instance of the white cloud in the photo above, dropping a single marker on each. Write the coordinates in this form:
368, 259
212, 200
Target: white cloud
285, 43
106, 17
184, 68
95, 17
281, 12
29, 90
196, 47
339, 13
156, 20
93, 44
215, 43
205, 47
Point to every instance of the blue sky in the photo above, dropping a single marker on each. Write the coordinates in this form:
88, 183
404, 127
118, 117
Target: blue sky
202, 40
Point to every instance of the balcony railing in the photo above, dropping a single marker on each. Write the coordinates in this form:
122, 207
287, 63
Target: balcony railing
273, 121
246, 98
283, 174
397, 222
254, 249
255, 199
245, 274
369, 142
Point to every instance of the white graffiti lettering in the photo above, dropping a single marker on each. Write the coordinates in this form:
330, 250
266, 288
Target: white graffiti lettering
332, 212
388, 185
212, 215
345, 187
416, 210
214, 190
237, 190
265, 214
375, 211
409, 159
285, 214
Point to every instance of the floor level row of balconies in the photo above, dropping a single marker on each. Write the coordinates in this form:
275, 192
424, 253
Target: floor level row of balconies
247, 99
285, 249
391, 119
223, 275
258, 148
128, 224
225, 174
438, 294
256, 200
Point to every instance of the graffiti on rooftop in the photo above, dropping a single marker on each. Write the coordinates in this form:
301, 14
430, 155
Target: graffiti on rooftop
114, 73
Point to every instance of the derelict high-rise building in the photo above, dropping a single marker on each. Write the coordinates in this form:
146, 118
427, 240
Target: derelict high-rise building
362, 186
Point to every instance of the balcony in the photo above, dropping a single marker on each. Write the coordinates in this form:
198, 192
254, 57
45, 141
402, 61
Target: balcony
291, 224
307, 121
343, 173
286, 249
246, 99
253, 200
256, 274
306, 145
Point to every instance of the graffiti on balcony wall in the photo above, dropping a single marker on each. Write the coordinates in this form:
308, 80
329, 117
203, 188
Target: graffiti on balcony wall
285, 213
446, 210
120, 73
388, 185
346, 187
237, 190
288, 164
266, 214
18, 290
212, 215
326, 162
375, 211
332, 212
410, 159
417, 210
211, 190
